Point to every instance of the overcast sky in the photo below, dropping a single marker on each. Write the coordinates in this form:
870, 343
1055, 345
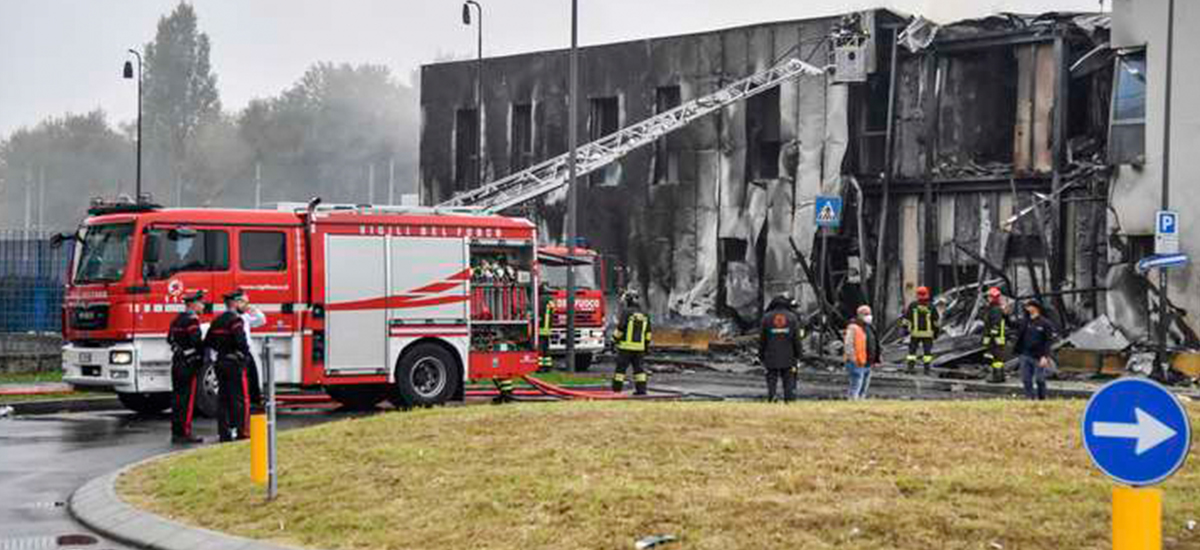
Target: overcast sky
60, 56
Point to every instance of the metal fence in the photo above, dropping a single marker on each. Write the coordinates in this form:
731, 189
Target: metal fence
32, 276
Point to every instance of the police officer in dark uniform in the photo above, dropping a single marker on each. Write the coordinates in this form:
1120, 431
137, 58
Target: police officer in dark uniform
187, 361
227, 338
632, 337
780, 346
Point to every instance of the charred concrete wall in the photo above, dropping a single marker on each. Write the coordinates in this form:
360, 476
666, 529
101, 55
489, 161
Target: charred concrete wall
704, 220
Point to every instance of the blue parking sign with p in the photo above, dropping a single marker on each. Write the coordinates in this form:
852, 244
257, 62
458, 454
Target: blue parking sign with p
1167, 223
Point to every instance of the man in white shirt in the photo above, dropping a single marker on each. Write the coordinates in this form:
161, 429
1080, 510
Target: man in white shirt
252, 318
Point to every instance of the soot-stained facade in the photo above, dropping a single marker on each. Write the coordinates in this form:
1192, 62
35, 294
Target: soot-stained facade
702, 222
979, 156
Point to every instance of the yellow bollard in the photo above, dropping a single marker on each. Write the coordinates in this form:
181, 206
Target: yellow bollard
1136, 518
258, 448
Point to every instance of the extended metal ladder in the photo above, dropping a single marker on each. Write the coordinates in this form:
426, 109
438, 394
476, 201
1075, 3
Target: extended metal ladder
552, 174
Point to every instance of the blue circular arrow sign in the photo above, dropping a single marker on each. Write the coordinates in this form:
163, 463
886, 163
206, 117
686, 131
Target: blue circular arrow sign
1136, 431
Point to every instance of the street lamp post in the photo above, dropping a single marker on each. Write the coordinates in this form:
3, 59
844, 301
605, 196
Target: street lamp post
466, 17
572, 209
128, 73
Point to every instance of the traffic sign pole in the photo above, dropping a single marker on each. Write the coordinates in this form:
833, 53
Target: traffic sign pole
1138, 433
1136, 518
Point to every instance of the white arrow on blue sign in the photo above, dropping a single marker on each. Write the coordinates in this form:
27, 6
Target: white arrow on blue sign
1161, 261
1136, 431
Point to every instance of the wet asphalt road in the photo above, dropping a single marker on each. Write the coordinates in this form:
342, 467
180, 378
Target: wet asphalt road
44, 458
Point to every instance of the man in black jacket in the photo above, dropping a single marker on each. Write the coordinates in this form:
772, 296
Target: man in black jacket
187, 360
227, 338
779, 346
1034, 339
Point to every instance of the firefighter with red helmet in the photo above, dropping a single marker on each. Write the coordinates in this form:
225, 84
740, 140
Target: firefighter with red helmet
227, 339
921, 322
632, 338
187, 361
995, 335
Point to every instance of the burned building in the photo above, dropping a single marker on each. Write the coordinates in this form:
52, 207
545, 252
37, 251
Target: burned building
976, 153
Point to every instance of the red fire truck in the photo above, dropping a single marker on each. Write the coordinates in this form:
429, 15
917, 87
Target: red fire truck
590, 318
365, 302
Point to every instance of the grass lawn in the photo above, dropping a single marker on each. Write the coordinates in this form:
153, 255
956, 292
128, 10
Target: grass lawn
31, 377
814, 475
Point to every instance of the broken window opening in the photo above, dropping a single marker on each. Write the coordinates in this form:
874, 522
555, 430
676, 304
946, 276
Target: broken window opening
762, 136
870, 103
521, 137
978, 113
734, 249
605, 119
466, 149
666, 149
1127, 130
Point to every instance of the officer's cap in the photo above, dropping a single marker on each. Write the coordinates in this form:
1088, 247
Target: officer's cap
238, 294
193, 297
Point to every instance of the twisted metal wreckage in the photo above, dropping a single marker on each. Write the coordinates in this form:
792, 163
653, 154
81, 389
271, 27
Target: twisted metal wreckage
969, 155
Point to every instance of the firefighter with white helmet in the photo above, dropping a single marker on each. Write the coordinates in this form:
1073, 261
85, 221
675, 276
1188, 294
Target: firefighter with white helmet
632, 339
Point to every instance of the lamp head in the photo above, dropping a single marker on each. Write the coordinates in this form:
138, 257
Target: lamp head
466, 14
128, 72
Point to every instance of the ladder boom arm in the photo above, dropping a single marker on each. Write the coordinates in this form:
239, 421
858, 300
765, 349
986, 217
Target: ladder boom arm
552, 174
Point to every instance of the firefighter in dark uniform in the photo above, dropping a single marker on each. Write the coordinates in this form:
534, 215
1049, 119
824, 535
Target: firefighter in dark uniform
921, 322
995, 329
632, 338
545, 328
227, 338
187, 361
780, 346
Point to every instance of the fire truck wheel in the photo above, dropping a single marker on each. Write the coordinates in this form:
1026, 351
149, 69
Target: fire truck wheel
583, 362
427, 375
206, 394
146, 403
357, 397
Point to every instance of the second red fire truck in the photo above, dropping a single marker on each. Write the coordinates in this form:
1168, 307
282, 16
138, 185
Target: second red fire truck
366, 302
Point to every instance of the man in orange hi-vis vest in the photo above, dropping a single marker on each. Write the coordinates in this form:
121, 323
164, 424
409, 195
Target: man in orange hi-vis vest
862, 352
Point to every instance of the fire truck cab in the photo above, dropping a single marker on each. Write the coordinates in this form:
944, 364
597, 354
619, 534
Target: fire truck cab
590, 318
365, 302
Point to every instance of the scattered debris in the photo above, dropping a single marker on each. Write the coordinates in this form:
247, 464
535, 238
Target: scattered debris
1098, 335
654, 541
5, 411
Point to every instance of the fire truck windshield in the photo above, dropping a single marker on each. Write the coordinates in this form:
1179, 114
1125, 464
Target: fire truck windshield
556, 276
104, 254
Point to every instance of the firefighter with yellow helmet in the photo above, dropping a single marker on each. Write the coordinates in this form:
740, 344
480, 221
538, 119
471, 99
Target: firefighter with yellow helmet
632, 338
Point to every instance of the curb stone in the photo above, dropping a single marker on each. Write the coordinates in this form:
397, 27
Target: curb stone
97, 506
65, 405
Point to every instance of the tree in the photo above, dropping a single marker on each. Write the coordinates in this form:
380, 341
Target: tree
323, 135
181, 99
75, 157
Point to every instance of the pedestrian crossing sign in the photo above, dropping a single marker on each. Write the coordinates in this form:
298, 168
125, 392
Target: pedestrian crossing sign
828, 211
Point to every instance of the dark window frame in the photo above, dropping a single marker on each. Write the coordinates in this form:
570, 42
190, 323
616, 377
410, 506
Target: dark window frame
242, 249
666, 150
466, 149
599, 115
1127, 130
215, 256
521, 136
